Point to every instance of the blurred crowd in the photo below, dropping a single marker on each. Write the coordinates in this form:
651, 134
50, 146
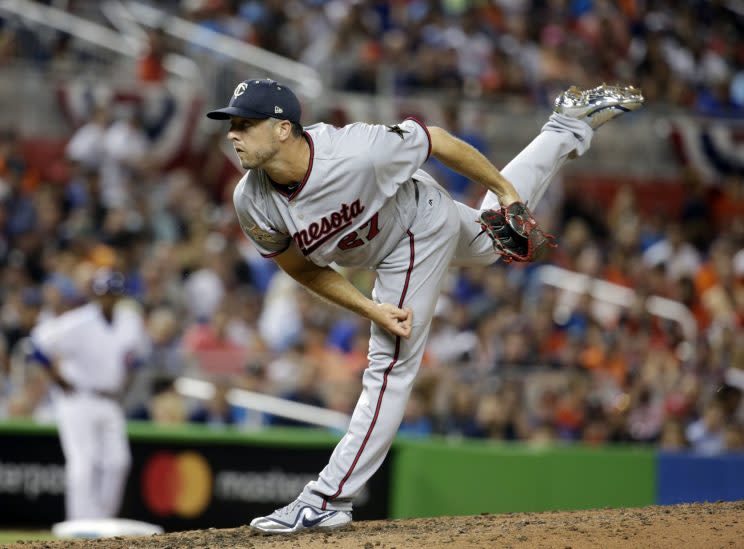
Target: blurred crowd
510, 356
687, 53
684, 53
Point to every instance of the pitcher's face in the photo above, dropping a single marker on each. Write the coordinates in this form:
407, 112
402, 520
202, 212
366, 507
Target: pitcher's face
254, 140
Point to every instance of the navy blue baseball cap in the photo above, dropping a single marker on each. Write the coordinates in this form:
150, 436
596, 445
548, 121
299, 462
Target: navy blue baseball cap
108, 282
261, 99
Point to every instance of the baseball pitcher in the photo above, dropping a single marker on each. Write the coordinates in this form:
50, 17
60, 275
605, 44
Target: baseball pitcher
357, 196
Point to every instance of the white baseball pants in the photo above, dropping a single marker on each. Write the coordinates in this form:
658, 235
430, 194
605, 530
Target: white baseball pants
93, 433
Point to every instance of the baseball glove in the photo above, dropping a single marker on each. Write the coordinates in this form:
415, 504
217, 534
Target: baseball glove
515, 234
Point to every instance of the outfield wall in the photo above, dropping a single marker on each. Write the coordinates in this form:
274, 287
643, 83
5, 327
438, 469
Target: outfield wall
181, 477
195, 477
439, 478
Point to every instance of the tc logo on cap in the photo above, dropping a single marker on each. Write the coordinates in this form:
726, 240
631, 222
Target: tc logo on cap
240, 89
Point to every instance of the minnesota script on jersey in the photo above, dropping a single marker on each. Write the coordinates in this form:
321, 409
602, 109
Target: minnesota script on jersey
355, 203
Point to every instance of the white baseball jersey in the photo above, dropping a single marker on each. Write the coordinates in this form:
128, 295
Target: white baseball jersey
92, 353
354, 204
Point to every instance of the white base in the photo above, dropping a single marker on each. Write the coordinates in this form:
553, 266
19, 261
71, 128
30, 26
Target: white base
104, 528
735, 378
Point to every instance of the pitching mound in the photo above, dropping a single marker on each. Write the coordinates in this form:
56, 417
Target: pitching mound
710, 525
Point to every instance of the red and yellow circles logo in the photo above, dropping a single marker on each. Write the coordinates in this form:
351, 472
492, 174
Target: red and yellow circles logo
177, 484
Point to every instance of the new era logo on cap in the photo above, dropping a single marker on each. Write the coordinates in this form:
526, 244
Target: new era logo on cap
260, 99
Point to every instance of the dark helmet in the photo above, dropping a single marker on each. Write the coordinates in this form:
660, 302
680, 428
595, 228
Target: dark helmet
107, 282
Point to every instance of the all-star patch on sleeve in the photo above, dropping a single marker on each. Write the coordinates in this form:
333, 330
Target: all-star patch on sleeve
254, 220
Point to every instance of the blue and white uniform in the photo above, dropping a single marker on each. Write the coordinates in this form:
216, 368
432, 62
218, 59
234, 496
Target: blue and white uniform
92, 356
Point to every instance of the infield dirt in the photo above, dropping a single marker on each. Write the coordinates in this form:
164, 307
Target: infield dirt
704, 526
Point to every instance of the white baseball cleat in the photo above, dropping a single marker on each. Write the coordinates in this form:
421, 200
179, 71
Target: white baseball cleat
298, 516
598, 105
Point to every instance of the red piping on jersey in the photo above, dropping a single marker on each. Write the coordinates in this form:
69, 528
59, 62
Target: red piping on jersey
384, 382
410, 269
428, 135
283, 188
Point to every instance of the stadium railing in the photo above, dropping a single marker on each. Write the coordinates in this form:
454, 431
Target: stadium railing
249, 58
619, 296
267, 404
127, 44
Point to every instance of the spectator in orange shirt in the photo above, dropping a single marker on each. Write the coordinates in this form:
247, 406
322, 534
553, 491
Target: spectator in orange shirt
150, 68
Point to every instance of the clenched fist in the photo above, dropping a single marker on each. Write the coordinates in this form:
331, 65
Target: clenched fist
395, 320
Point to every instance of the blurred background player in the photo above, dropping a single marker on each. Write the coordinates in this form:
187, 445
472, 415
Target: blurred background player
88, 351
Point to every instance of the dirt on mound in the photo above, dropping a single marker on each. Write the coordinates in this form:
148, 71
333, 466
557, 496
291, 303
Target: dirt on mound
710, 525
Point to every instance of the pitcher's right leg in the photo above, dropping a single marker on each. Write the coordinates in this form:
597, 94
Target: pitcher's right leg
568, 133
530, 172
577, 114
535, 166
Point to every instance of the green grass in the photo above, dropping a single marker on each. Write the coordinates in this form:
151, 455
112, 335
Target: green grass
11, 536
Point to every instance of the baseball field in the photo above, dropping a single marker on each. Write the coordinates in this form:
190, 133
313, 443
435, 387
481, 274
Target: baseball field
704, 526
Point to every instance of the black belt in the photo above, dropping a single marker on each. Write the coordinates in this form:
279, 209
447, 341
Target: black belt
111, 395
107, 394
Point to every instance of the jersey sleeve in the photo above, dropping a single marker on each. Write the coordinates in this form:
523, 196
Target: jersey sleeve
399, 150
51, 340
256, 225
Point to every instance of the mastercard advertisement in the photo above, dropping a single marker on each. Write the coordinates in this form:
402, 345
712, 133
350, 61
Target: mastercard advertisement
177, 484
225, 485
